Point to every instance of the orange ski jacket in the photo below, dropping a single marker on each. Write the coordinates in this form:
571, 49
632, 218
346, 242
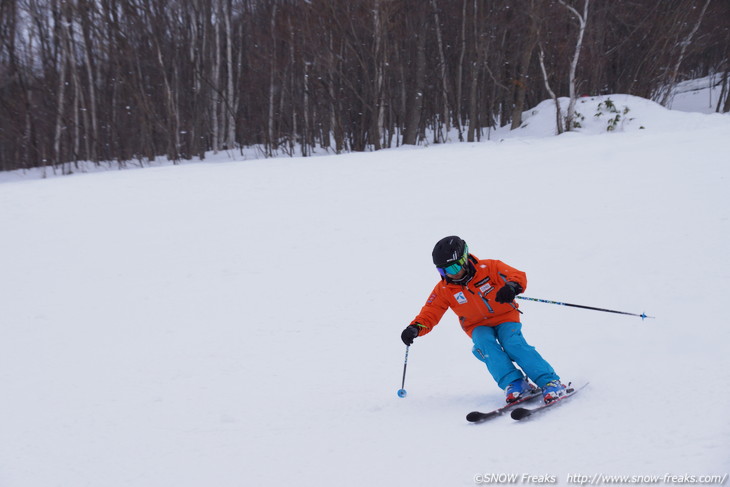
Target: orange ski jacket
474, 302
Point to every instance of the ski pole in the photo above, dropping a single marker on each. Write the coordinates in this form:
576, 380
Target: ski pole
642, 315
402, 392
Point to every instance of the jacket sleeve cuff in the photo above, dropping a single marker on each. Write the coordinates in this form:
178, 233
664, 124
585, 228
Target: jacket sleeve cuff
422, 329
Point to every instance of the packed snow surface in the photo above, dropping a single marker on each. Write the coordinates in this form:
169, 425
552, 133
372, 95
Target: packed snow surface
232, 323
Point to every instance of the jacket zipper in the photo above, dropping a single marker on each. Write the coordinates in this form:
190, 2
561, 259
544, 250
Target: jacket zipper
486, 302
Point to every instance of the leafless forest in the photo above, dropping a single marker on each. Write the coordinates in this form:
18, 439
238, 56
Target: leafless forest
121, 80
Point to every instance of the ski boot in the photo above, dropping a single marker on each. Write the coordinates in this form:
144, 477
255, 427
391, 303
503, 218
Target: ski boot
553, 391
516, 389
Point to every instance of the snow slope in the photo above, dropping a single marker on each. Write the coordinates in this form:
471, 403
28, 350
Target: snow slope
237, 323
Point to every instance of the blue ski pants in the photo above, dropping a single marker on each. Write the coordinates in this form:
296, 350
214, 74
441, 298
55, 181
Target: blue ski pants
501, 346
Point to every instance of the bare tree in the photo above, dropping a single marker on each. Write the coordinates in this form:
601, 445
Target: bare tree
231, 98
86, 12
271, 144
558, 112
479, 46
460, 70
684, 44
582, 20
529, 42
441, 133
64, 48
415, 105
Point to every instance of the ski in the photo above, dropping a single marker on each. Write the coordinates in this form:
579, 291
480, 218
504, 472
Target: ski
522, 413
478, 416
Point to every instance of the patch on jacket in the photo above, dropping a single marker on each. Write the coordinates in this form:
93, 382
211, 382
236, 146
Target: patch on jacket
431, 298
486, 288
484, 285
482, 282
460, 298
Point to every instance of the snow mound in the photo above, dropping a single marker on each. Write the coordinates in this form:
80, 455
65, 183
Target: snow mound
608, 113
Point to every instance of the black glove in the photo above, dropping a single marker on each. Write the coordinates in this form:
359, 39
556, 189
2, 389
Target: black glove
409, 334
508, 292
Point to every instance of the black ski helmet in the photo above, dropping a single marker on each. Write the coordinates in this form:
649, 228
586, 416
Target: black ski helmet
448, 250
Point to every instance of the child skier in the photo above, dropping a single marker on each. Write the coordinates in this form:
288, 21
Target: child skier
490, 318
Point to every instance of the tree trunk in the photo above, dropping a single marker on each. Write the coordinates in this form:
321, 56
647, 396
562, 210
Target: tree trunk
334, 101
477, 61
93, 154
445, 116
558, 114
270, 143
582, 19
524, 66
379, 77
61, 90
460, 70
306, 135
215, 80
724, 93
413, 120
173, 123
231, 105
292, 92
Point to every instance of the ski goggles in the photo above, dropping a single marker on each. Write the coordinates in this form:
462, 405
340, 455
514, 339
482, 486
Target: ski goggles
456, 267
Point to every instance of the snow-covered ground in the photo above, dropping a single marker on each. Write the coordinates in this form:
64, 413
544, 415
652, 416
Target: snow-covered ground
238, 323
698, 95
